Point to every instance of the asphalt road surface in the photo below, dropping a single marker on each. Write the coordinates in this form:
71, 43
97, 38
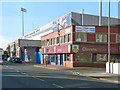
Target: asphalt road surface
17, 75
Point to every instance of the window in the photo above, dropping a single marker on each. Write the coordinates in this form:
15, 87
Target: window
48, 42
81, 37
101, 57
82, 57
69, 37
53, 58
118, 38
65, 38
61, 39
57, 40
54, 40
68, 57
101, 37
51, 41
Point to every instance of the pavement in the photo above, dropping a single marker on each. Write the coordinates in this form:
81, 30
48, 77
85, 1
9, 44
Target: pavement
93, 72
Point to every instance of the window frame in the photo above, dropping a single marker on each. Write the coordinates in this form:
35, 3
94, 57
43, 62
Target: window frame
85, 37
100, 37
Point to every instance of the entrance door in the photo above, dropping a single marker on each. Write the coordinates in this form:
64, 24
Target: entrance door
23, 56
61, 59
49, 59
38, 57
56, 59
43, 58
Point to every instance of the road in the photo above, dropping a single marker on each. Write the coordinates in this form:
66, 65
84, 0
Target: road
17, 75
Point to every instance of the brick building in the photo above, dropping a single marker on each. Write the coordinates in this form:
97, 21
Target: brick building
76, 46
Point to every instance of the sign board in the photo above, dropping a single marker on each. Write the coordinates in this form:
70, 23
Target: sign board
58, 49
75, 48
90, 29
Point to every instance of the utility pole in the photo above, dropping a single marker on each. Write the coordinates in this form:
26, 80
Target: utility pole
109, 35
23, 10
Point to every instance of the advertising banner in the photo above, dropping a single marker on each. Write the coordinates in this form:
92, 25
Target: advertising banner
63, 22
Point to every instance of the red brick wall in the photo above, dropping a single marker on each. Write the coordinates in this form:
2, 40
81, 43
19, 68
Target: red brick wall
68, 64
53, 64
105, 29
112, 38
89, 64
91, 37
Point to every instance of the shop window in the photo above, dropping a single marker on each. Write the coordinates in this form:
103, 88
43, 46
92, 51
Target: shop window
57, 40
69, 37
53, 58
54, 40
65, 38
81, 37
101, 57
82, 57
61, 39
101, 37
68, 57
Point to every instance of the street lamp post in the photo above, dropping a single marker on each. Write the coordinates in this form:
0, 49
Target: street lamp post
23, 10
109, 36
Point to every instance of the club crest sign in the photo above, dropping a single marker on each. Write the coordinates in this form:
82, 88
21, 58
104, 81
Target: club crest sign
75, 48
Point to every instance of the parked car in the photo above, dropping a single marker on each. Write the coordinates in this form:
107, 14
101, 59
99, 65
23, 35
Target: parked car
11, 59
17, 60
1, 61
8, 59
5, 58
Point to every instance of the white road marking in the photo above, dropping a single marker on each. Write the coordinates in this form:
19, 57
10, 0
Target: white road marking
57, 85
24, 73
6, 66
39, 79
18, 71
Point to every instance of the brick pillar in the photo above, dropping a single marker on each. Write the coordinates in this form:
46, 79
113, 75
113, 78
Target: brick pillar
67, 37
63, 59
58, 59
63, 39
41, 59
56, 40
